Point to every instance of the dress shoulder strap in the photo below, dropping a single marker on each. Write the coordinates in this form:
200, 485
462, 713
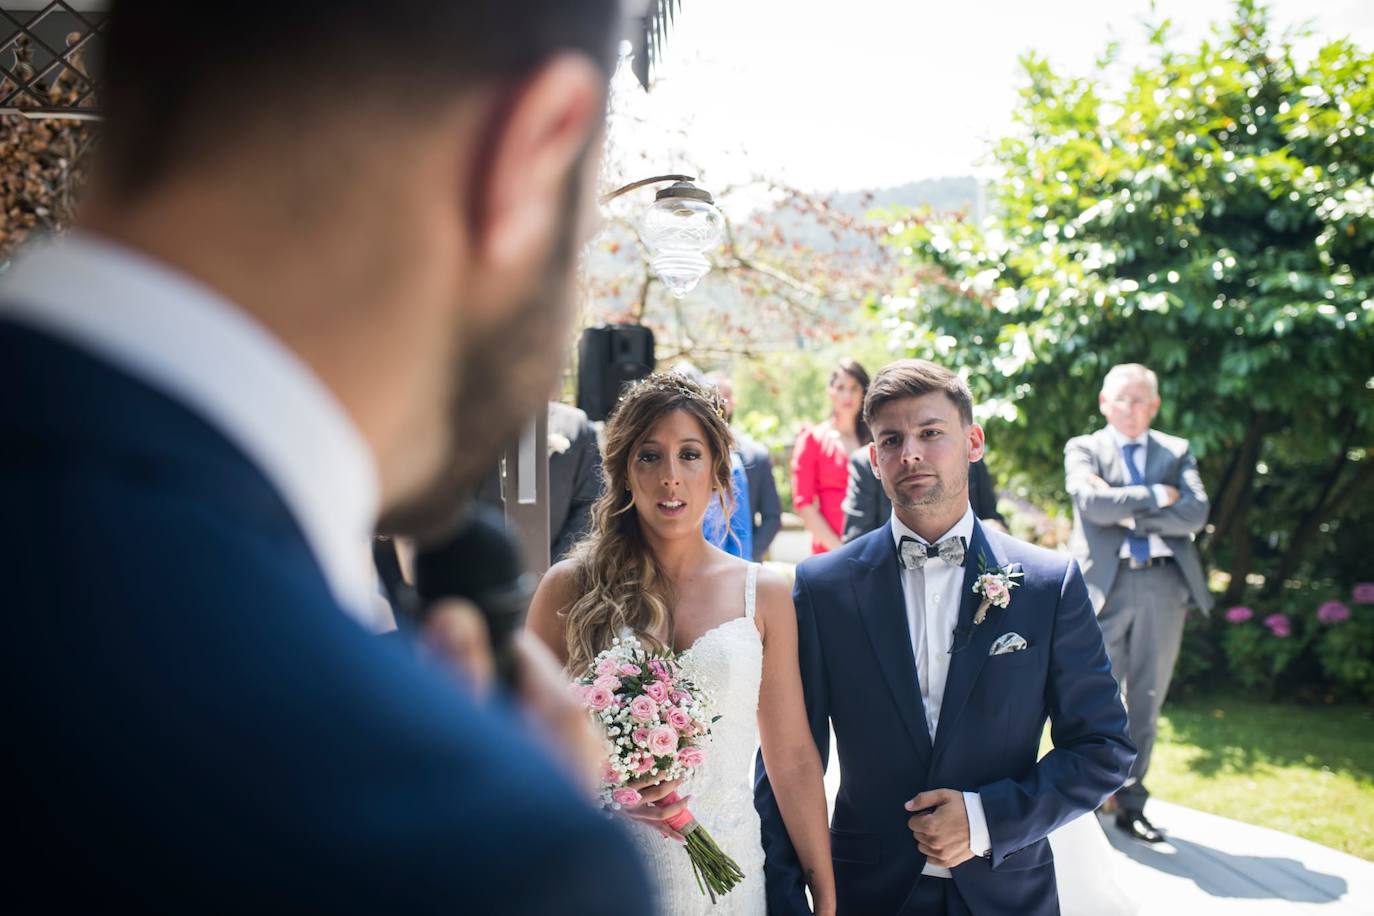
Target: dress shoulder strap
751, 581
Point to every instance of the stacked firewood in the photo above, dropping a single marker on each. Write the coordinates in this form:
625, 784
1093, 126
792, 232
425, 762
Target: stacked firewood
42, 161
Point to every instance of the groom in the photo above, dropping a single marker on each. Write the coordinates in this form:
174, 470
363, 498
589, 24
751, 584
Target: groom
937, 702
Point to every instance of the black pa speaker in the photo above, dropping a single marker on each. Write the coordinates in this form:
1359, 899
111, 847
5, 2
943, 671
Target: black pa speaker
609, 356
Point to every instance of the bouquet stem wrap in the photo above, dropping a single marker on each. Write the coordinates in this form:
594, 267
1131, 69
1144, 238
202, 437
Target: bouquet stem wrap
716, 873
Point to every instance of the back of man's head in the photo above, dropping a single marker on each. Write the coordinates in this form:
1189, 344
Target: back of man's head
183, 83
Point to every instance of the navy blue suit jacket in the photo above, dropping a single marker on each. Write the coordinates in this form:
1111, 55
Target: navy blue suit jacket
195, 725
859, 675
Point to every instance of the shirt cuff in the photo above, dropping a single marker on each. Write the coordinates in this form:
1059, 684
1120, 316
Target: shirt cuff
1161, 497
978, 839
1128, 522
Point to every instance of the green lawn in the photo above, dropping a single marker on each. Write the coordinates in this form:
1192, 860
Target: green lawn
1305, 770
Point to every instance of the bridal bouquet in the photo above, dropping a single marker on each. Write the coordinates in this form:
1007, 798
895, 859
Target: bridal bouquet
656, 724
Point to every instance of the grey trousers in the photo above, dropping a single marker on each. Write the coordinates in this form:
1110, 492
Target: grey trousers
1142, 625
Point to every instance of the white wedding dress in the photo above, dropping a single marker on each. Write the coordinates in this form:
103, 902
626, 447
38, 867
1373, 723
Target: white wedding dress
726, 661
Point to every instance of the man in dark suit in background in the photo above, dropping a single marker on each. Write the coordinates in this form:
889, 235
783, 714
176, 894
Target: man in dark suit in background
866, 505
323, 273
1138, 502
758, 467
575, 481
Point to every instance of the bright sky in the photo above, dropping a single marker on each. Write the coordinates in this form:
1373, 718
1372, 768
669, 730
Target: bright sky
844, 94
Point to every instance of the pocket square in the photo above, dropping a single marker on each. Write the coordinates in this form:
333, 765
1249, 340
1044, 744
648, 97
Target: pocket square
1008, 642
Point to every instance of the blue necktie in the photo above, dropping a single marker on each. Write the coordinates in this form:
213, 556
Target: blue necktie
1139, 544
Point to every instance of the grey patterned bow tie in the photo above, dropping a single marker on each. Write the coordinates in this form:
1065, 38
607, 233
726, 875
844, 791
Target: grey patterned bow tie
914, 554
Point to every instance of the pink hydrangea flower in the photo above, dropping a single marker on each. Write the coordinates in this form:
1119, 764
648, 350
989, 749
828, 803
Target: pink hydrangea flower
643, 709
691, 756
1239, 614
598, 698
630, 670
626, 796
662, 741
1364, 593
1333, 612
656, 691
680, 720
1279, 625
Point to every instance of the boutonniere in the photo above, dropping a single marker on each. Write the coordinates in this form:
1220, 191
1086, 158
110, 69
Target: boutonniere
558, 444
994, 585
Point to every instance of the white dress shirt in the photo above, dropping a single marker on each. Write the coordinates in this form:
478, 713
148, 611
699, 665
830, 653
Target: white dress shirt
184, 339
1157, 546
932, 600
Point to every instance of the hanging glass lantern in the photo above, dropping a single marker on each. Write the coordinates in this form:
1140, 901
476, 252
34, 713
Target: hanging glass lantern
679, 229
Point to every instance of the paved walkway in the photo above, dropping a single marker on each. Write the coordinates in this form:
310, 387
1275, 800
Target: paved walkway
1218, 867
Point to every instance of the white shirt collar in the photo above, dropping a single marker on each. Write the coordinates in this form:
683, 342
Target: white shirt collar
186, 340
1121, 441
962, 528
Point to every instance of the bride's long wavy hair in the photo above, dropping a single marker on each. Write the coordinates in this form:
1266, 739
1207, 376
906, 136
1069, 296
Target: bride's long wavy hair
618, 579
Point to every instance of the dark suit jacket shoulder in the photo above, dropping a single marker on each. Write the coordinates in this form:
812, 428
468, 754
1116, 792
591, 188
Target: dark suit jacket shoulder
196, 724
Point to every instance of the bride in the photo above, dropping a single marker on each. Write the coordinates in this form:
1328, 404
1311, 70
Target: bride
647, 567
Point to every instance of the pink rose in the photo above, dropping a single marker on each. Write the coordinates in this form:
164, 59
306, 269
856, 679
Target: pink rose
1364, 593
994, 589
643, 708
662, 741
1239, 614
609, 681
680, 720
681, 697
1333, 612
691, 756
598, 698
656, 691
607, 666
625, 796
640, 736
660, 669
630, 670
644, 762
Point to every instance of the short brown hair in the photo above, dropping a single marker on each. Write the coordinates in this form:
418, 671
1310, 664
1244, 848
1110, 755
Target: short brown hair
912, 378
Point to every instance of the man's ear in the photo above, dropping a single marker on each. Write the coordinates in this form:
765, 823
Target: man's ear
977, 443
535, 135
873, 460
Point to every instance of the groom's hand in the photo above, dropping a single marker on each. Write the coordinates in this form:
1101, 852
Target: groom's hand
942, 834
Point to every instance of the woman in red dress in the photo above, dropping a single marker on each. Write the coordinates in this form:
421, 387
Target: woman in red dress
820, 457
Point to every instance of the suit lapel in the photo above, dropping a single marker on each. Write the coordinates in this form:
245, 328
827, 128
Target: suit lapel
876, 577
965, 664
1154, 460
1113, 463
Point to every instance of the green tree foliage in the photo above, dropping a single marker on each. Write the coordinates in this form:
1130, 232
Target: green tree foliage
1213, 219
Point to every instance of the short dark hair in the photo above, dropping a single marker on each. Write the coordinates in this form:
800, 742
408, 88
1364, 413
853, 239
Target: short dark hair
179, 80
912, 378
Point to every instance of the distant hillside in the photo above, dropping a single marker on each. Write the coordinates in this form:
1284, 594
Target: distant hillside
940, 194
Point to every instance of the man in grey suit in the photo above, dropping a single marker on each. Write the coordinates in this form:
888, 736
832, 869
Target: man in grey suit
1138, 502
575, 481
758, 468
866, 506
